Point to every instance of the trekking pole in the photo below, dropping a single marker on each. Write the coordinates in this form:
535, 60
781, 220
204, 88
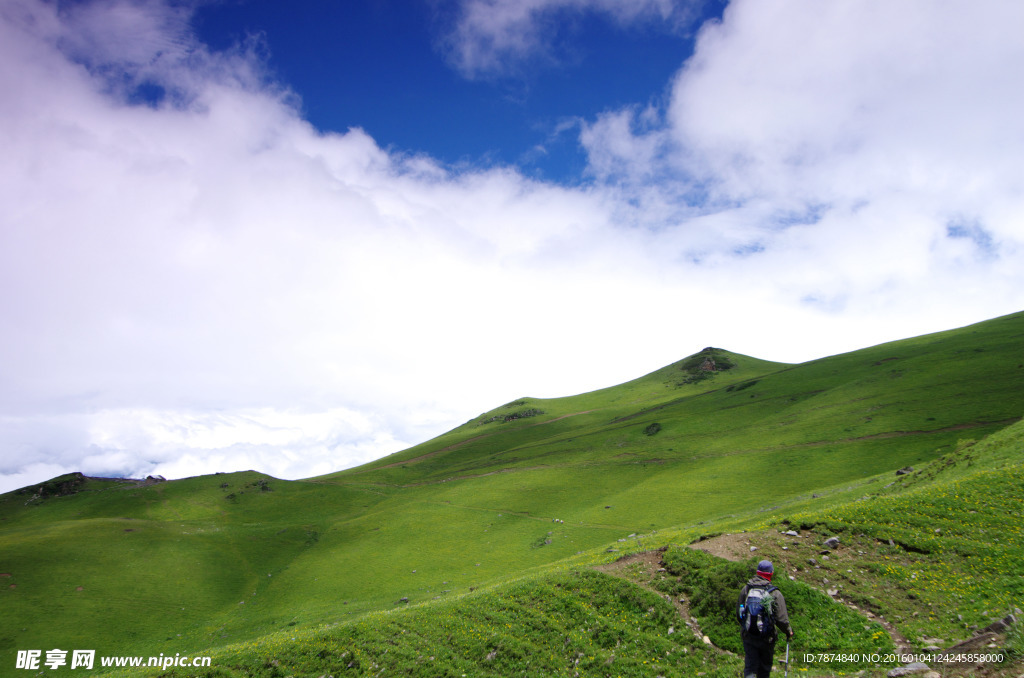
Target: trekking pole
787, 658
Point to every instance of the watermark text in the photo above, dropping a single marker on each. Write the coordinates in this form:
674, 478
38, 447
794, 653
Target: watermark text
34, 660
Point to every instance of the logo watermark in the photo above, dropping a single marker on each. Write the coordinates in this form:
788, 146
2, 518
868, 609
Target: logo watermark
34, 660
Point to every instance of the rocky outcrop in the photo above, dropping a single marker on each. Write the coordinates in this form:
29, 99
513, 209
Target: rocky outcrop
61, 486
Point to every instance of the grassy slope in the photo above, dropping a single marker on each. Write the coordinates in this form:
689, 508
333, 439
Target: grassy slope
561, 624
476, 505
153, 562
935, 552
934, 583
943, 545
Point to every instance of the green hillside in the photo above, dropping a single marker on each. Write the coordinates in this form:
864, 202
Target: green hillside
934, 583
509, 505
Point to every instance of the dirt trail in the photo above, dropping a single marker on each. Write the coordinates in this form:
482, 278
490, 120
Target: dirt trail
641, 568
791, 554
739, 546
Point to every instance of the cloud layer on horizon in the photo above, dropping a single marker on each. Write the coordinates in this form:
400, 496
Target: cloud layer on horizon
199, 280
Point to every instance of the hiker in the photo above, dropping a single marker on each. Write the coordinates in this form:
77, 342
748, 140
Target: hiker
761, 608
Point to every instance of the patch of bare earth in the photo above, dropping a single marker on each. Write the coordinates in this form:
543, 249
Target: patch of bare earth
733, 547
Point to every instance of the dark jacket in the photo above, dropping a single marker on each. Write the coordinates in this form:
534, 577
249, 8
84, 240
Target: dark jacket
781, 616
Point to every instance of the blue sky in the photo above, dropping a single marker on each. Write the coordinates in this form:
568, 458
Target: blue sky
235, 237
385, 66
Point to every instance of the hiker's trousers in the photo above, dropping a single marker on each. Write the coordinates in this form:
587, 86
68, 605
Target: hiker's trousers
757, 659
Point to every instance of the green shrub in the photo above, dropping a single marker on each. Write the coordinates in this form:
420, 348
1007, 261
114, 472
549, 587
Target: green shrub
712, 586
1015, 640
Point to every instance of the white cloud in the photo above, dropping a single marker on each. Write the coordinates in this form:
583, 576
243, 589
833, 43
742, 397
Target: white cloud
494, 37
626, 146
210, 264
207, 283
870, 131
908, 95
179, 443
128, 33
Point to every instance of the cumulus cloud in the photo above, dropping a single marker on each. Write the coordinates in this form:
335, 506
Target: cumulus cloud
194, 279
911, 95
885, 134
493, 37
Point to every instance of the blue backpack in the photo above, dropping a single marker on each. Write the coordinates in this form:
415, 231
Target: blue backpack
757, 612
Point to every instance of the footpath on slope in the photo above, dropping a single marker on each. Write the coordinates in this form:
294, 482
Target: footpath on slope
642, 568
743, 545
793, 554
